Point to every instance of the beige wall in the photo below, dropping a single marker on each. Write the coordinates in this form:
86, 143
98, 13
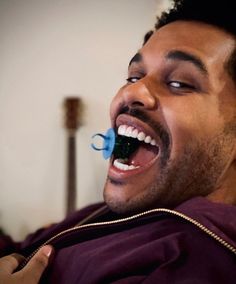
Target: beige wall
51, 49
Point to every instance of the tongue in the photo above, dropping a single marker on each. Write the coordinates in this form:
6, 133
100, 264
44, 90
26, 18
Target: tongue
144, 154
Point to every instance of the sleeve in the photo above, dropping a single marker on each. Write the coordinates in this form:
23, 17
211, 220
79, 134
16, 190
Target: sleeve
35, 239
7, 245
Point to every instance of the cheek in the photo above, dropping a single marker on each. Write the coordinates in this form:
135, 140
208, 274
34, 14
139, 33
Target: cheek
194, 114
188, 124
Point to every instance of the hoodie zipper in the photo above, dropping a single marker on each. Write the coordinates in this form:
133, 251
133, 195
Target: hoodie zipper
134, 217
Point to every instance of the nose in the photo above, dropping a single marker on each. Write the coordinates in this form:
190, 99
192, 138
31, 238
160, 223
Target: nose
139, 94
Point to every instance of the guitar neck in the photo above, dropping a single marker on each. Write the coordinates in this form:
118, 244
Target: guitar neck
71, 174
72, 123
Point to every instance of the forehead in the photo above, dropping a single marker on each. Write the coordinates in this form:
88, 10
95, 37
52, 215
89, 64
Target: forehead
211, 44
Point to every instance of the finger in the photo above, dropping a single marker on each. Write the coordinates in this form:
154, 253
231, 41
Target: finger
36, 266
10, 262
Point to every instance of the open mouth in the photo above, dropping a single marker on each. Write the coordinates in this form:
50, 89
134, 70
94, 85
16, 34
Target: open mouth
133, 148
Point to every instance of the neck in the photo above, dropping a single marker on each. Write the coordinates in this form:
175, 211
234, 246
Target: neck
226, 190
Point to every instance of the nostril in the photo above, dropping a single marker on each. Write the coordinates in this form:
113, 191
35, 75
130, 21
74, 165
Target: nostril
136, 103
139, 95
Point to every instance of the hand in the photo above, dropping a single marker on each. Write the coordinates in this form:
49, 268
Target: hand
30, 274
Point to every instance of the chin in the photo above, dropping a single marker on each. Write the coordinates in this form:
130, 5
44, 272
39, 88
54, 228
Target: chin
123, 199
115, 198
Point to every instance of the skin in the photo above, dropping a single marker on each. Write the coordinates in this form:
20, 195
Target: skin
31, 273
198, 118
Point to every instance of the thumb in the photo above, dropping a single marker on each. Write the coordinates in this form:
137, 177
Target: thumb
33, 271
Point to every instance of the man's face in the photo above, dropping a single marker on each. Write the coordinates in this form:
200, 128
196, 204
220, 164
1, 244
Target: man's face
179, 101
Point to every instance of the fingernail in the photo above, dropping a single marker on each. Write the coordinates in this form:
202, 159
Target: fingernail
47, 250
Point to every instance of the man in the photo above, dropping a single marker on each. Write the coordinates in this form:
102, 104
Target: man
169, 212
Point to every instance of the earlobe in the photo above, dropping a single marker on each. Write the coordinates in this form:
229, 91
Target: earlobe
234, 133
234, 153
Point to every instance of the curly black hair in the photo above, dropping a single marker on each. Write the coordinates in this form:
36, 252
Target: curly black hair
217, 13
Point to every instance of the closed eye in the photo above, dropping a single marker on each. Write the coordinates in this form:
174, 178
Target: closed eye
180, 85
132, 79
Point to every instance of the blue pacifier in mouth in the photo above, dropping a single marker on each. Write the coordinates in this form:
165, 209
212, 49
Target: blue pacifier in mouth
121, 147
108, 143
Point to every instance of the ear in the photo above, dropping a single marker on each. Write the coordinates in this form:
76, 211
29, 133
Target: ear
233, 135
234, 153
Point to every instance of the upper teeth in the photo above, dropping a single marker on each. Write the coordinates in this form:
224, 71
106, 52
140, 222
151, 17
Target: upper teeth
133, 132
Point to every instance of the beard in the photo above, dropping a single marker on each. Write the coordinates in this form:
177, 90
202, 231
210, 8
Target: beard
197, 171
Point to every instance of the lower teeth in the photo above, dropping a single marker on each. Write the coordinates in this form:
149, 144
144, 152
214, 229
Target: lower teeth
120, 164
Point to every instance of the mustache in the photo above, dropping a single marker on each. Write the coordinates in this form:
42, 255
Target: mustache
156, 126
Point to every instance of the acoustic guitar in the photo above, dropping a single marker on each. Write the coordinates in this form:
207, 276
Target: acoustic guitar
72, 107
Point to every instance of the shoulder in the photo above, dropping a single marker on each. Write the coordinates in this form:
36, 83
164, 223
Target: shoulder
44, 233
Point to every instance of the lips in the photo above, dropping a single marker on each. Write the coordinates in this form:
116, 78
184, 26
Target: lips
147, 151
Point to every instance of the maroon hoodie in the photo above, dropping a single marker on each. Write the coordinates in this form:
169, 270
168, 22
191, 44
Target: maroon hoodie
195, 243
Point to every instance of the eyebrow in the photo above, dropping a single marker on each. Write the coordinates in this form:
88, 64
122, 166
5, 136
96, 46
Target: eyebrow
185, 56
136, 59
